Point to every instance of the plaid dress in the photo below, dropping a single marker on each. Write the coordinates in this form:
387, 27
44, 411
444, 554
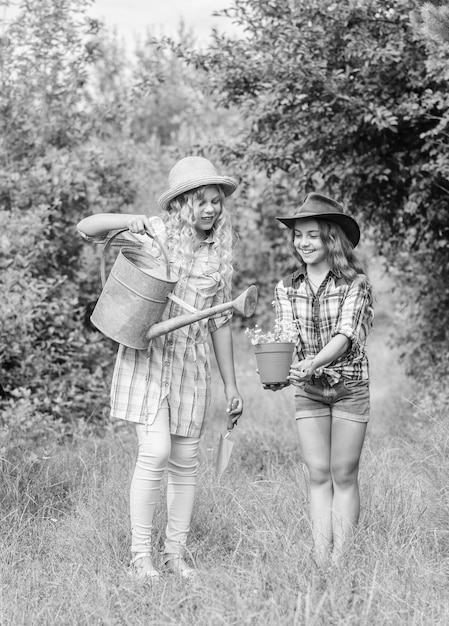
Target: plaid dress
336, 308
176, 366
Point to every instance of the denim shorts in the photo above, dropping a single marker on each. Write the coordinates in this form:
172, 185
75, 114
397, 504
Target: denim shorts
348, 399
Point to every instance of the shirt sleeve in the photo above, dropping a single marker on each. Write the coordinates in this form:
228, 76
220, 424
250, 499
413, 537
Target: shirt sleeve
214, 323
220, 319
282, 305
356, 314
285, 318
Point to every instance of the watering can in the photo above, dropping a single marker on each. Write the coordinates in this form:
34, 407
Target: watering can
135, 295
245, 304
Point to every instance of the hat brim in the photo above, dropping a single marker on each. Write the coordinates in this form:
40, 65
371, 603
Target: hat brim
229, 185
346, 222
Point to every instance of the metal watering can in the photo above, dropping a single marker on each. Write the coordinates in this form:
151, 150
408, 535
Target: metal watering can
135, 295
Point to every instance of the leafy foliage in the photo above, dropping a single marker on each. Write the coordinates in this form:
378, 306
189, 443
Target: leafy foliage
435, 18
47, 171
348, 98
82, 131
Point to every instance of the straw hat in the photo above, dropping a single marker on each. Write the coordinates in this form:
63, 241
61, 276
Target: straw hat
192, 172
316, 205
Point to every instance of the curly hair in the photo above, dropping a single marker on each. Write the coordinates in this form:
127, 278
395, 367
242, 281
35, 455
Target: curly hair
182, 240
340, 254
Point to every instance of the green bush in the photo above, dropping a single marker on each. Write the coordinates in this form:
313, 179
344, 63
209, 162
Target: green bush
80, 134
350, 99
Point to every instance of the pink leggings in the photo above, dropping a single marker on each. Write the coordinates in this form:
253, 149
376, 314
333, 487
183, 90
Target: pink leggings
158, 450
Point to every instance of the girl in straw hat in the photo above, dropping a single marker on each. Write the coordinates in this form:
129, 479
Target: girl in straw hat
166, 391
329, 300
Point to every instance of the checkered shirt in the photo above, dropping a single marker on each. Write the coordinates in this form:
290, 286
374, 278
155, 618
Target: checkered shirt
337, 308
176, 366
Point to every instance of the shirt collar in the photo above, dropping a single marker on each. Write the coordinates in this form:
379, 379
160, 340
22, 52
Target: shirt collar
209, 239
302, 272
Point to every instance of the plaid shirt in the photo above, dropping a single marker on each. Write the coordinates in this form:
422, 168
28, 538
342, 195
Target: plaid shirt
337, 308
176, 366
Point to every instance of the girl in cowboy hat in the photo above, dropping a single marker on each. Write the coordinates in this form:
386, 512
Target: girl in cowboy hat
329, 300
166, 391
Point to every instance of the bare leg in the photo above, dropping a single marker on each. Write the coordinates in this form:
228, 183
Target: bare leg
315, 442
347, 442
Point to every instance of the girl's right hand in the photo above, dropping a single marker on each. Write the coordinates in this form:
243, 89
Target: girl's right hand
302, 371
275, 387
138, 224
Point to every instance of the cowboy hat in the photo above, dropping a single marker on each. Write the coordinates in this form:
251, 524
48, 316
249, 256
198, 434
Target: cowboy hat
192, 172
317, 205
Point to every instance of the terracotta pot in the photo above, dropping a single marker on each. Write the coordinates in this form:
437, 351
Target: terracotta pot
274, 361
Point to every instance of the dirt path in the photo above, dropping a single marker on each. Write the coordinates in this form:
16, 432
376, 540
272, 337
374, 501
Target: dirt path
390, 387
389, 384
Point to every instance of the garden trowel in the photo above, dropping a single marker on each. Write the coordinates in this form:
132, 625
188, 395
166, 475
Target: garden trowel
225, 446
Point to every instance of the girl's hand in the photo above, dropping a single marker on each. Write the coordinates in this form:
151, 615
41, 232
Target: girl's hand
138, 224
275, 387
234, 409
302, 371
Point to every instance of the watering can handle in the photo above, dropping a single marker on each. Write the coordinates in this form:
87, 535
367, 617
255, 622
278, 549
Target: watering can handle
162, 249
109, 242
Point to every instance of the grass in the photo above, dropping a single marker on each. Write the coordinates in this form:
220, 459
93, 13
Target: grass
65, 529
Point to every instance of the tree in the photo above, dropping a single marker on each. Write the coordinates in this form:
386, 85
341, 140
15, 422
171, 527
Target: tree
50, 175
348, 98
81, 131
435, 18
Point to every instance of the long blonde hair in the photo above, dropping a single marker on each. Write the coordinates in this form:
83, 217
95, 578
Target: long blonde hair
182, 241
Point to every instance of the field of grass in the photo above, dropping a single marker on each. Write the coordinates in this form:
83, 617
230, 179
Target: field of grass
65, 529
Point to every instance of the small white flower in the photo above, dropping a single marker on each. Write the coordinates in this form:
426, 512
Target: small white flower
282, 332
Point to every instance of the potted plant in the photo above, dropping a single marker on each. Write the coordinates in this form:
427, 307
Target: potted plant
274, 351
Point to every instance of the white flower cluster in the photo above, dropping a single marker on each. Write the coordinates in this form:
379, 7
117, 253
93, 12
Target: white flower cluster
282, 332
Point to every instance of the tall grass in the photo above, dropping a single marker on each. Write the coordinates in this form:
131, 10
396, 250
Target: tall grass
65, 528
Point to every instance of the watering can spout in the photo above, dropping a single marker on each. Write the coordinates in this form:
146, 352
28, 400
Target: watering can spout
245, 304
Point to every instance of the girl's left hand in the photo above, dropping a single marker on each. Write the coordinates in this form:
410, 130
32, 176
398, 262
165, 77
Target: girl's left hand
139, 224
234, 409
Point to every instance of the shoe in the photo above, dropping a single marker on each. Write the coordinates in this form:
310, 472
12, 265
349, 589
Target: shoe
141, 567
177, 565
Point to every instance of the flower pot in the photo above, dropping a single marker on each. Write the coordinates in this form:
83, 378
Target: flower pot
274, 361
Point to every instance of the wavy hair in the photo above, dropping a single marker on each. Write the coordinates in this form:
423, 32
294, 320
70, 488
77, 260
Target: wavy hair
182, 240
340, 254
